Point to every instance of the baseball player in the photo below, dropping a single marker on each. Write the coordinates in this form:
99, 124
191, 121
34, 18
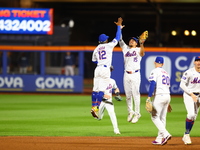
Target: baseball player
159, 85
132, 79
190, 83
102, 56
108, 104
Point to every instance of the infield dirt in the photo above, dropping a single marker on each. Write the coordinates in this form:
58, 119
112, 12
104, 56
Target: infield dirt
92, 143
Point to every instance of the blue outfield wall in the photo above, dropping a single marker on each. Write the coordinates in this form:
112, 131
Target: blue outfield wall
177, 60
175, 64
38, 83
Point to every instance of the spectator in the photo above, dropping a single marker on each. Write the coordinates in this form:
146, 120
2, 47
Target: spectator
8, 62
23, 63
69, 63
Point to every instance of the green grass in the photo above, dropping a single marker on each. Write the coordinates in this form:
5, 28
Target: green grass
66, 115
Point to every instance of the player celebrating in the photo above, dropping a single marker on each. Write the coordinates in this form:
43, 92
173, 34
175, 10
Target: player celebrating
190, 83
102, 55
132, 79
108, 104
159, 83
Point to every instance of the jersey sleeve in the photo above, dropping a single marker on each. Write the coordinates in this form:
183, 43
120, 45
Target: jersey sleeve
114, 84
122, 44
118, 33
113, 43
184, 80
94, 57
151, 88
152, 76
185, 77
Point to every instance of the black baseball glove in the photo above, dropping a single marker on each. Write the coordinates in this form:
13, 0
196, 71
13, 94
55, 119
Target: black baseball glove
118, 97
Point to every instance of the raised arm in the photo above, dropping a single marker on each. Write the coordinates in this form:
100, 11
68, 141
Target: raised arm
119, 27
142, 50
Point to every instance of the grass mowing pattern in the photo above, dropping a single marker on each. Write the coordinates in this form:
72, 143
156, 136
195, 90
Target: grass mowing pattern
66, 115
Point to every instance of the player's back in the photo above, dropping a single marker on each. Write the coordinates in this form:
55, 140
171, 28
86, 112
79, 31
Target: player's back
104, 53
162, 81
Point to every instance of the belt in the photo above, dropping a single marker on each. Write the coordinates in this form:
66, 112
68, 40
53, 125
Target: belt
131, 72
102, 66
197, 94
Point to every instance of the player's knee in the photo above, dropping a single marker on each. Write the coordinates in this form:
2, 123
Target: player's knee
111, 113
191, 117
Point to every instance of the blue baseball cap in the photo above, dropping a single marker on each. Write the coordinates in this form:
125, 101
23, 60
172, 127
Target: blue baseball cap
197, 58
159, 60
103, 38
134, 38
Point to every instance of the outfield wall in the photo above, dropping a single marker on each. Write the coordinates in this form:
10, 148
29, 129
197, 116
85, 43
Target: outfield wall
177, 60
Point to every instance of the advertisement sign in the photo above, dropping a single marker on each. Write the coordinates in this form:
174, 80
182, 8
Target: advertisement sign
26, 21
47, 83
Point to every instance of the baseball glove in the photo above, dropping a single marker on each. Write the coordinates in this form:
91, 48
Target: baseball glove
118, 98
149, 106
143, 37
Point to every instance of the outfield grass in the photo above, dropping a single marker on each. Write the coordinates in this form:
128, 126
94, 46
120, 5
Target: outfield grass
66, 115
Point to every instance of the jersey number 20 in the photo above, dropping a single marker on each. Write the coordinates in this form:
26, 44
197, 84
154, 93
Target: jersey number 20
165, 80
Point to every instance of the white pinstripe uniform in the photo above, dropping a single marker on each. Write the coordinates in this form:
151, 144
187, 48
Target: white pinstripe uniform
132, 77
161, 101
103, 55
190, 78
108, 105
190, 83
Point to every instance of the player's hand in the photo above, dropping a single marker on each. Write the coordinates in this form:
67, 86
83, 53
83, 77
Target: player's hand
194, 97
119, 22
107, 96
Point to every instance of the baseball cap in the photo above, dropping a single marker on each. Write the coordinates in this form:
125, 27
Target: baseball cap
103, 38
159, 60
197, 58
134, 38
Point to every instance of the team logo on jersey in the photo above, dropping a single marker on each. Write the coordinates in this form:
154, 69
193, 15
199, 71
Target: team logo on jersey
196, 80
109, 87
128, 54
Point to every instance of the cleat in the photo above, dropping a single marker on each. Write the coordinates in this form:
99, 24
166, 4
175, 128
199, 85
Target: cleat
94, 112
156, 143
117, 132
136, 118
130, 116
167, 138
186, 139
